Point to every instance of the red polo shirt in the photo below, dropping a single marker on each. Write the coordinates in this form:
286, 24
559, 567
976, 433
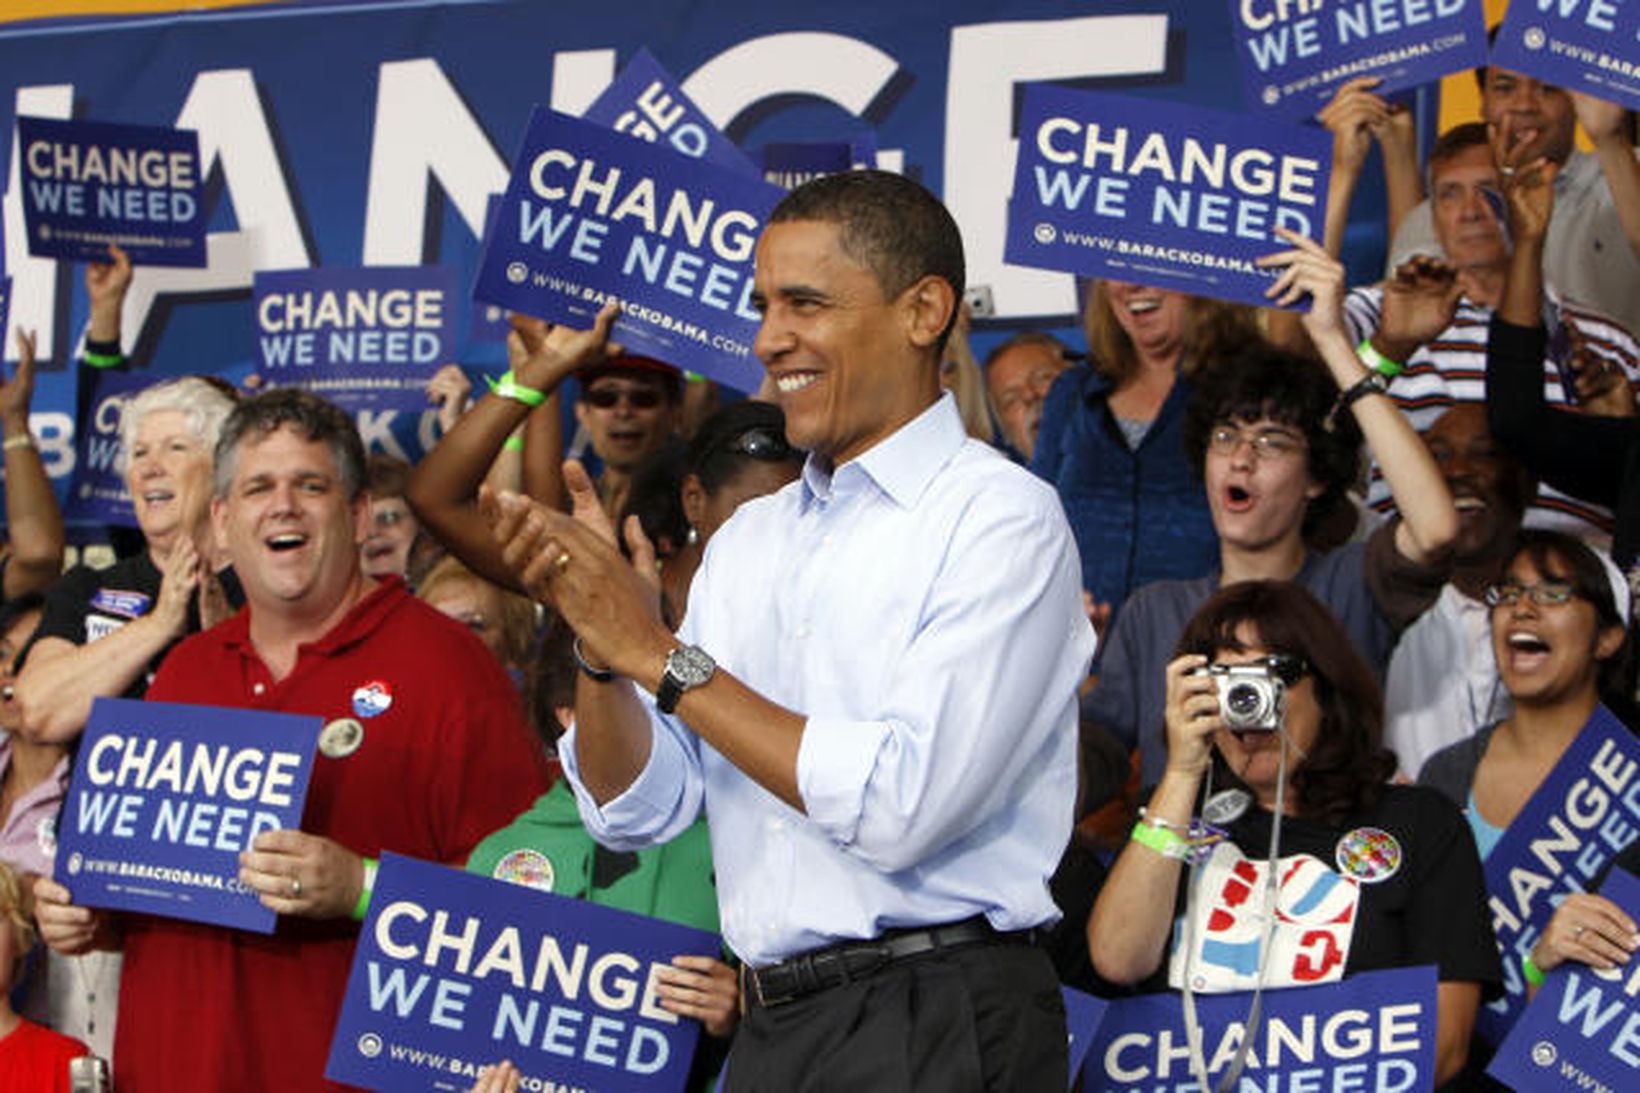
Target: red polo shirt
446, 759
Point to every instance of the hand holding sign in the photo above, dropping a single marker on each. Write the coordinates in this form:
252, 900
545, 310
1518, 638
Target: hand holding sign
1354, 116
294, 873
503, 1077
1589, 929
552, 354
1309, 270
65, 927
701, 987
106, 283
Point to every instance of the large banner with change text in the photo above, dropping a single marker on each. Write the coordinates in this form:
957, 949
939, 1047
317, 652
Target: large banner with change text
326, 137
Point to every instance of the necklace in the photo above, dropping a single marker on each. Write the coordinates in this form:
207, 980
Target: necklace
89, 985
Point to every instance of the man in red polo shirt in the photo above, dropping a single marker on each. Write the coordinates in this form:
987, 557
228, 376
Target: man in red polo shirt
424, 752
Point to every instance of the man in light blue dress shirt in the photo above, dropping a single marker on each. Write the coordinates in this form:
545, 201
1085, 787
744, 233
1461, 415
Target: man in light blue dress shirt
873, 692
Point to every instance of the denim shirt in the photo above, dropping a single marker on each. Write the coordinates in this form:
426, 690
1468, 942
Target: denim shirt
1139, 515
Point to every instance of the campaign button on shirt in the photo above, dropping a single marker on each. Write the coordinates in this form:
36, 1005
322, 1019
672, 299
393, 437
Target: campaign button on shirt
531, 868
373, 698
1368, 854
340, 738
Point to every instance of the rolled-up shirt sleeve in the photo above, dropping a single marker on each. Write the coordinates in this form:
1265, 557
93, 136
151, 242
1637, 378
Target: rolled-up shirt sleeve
665, 797
980, 700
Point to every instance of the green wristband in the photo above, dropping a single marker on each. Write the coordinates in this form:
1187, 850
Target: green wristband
365, 888
1534, 975
513, 444
509, 387
1377, 361
102, 360
1169, 844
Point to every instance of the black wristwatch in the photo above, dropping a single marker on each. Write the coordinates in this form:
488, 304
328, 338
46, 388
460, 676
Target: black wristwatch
1373, 383
687, 667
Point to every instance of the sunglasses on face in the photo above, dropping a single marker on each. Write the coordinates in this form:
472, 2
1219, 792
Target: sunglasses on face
1544, 593
760, 443
606, 398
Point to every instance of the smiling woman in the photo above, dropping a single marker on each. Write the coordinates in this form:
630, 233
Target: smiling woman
1560, 618
1111, 435
135, 611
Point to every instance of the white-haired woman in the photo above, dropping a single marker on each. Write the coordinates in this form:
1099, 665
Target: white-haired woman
104, 632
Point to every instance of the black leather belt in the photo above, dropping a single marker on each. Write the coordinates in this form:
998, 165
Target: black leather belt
848, 961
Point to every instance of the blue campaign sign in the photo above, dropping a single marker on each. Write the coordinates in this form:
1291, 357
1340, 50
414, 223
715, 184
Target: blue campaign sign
1586, 812
98, 492
367, 338
1296, 53
789, 164
455, 971
1591, 46
644, 101
1161, 194
1083, 1014
88, 184
1373, 1030
165, 796
591, 216
1582, 1031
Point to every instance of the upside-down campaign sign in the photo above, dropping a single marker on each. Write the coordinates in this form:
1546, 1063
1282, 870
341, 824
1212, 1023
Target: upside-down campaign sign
1296, 53
455, 971
165, 796
1586, 812
1591, 46
1174, 196
88, 184
590, 216
1582, 1031
1372, 1031
368, 338
644, 101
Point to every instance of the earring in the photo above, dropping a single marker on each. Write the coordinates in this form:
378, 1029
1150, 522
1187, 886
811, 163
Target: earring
693, 537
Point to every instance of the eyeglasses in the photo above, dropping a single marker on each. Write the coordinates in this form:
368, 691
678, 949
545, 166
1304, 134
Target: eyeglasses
605, 398
760, 443
1266, 444
1544, 593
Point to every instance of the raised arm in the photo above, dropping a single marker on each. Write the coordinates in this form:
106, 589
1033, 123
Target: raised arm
444, 486
1133, 916
1605, 123
1429, 522
106, 283
33, 520
1578, 454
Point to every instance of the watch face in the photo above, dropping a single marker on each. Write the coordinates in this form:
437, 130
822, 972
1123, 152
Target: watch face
690, 665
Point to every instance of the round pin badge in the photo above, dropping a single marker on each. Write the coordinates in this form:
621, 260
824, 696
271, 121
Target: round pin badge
373, 698
531, 868
340, 738
1369, 854
1226, 806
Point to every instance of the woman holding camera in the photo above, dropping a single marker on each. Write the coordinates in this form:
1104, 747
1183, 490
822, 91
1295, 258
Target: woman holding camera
1269, 700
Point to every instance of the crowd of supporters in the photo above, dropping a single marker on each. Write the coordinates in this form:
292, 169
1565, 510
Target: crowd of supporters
1417, 506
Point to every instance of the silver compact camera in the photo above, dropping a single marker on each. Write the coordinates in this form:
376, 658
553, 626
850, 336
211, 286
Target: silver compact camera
1253, 696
